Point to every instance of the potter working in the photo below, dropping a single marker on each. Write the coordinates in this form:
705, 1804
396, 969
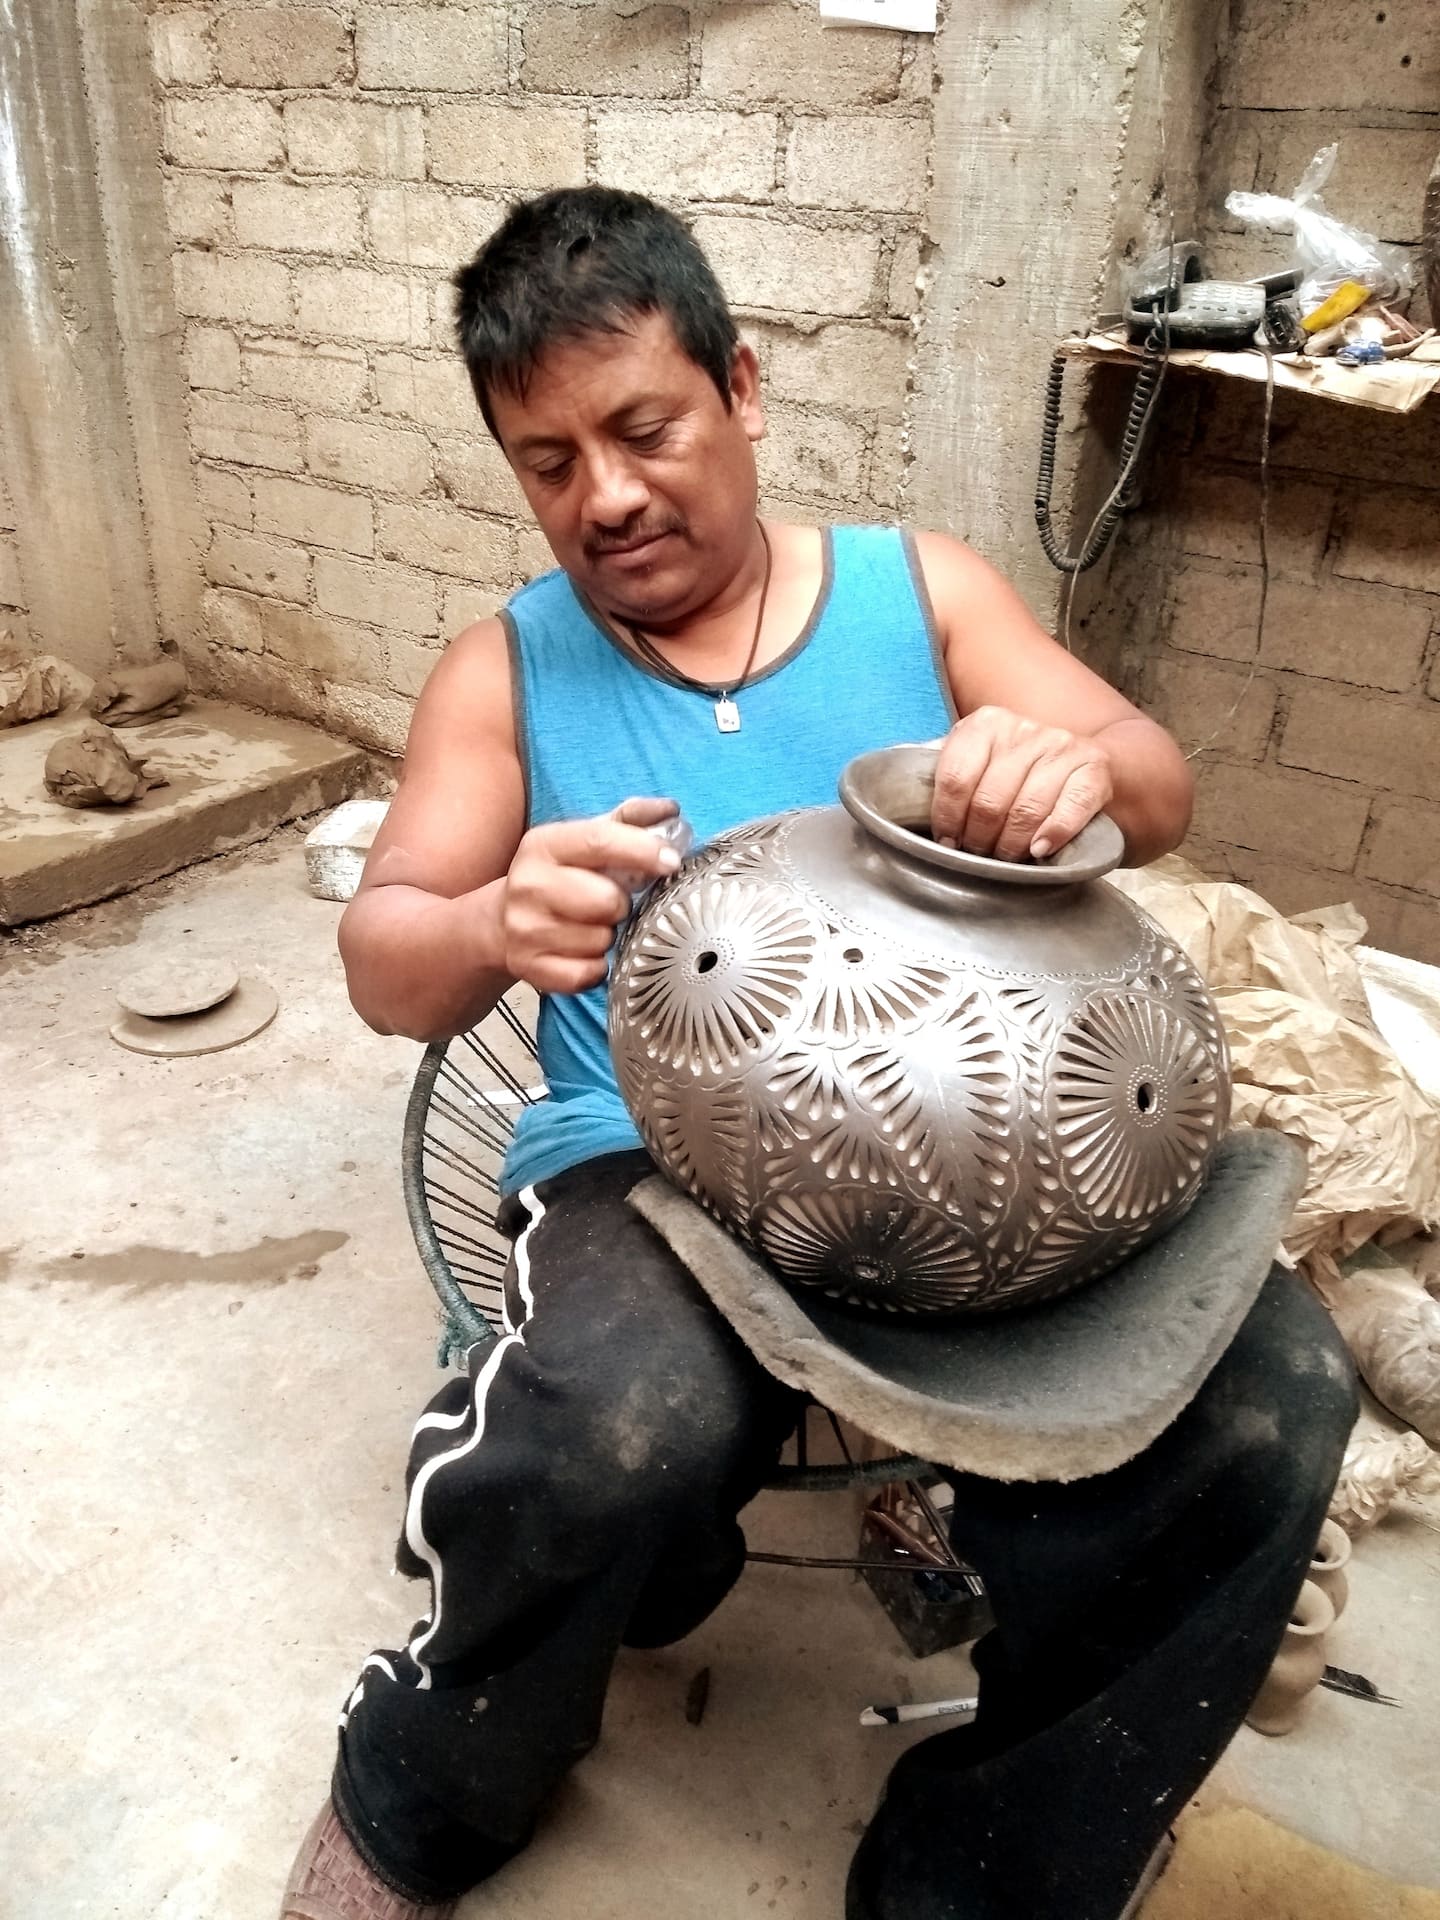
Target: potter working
577, 1489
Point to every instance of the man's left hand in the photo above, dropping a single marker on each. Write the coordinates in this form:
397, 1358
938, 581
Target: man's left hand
1013, 789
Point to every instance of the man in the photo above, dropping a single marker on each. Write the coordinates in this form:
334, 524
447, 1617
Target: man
579, 1490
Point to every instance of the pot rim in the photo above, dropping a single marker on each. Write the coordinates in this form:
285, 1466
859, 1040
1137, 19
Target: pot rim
875, 785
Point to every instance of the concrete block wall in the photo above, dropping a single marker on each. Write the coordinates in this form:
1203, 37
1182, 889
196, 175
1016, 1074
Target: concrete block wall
1317, 735
328, 166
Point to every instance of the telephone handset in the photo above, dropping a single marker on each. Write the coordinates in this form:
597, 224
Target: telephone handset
1168, 295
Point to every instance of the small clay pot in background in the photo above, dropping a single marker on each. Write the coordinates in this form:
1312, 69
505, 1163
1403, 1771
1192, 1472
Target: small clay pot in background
1328, 1564
1297, 1667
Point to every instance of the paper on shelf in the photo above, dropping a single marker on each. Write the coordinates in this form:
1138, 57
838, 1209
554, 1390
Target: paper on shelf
1399, 386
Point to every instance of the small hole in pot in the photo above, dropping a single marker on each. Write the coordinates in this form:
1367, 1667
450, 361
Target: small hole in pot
707, 961
854, 956
1145, 1096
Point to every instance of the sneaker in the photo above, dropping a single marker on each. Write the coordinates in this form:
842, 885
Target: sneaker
329, 1881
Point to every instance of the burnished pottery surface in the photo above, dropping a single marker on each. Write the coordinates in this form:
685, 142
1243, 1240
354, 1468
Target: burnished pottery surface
919, 1080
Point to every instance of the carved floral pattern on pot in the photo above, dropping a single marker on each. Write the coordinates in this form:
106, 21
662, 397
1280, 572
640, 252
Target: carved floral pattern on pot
915, 1078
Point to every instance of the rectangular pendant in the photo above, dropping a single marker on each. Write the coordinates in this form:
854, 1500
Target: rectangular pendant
727, 715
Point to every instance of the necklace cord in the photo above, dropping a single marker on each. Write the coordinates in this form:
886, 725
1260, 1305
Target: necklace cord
667, 669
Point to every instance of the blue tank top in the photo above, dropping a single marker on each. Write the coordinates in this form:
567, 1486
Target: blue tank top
595, 726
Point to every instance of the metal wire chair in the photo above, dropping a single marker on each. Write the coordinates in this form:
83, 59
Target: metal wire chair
458, 1123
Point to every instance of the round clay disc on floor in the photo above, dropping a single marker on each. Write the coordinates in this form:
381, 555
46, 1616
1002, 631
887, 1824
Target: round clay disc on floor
249, 1009
177, 985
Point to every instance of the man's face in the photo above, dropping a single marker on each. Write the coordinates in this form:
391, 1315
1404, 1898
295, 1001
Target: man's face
641, 478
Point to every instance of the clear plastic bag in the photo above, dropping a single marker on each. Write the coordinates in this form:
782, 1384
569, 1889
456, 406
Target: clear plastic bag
1327, 251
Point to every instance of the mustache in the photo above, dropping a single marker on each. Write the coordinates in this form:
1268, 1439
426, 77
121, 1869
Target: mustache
597, 545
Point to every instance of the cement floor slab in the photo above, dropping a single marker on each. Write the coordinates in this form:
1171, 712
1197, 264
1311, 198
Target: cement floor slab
233, 776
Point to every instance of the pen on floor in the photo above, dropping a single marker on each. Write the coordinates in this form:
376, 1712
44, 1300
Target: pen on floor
897, 1716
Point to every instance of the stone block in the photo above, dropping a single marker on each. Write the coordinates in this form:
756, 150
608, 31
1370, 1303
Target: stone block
778, 264
409, 664
532, 554
232, 620
224, 497
903, 288
209, 286
466, 601
598, 50
1393, 538
769, 51
378, 596
227, 132
818, 454
489, 144
266, 682
356, 303
889, 456
449, 49
360, 454
839, 365
282, 47
879, 163
181, 49
421, 227
473, 472
1392, 449
1215, 611
435, 393
320, 516
1220, 710
1403, 846
355, 137
1288, 54
1217, 514
369, 715
316, 643
212, 358
297, 219
1385, 744
246, 432
326, 375
198, 207
443, 539
1365, 636
696, 156
274, 568
1287, 815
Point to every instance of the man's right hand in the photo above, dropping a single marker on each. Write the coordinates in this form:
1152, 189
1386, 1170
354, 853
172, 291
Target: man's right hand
562, 902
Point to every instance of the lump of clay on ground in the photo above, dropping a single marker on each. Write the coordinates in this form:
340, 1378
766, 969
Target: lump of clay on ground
92, 769
33, 689
128, 696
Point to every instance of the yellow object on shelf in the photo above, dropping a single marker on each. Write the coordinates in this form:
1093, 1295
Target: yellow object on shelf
1345, 300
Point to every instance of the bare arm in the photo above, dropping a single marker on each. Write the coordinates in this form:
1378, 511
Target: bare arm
1043, 743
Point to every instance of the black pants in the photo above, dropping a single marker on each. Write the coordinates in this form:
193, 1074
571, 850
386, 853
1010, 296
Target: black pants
579, 1491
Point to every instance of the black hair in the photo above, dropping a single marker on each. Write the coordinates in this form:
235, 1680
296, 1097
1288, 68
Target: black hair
585, 260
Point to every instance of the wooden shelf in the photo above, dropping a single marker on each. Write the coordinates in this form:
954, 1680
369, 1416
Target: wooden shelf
1399, 386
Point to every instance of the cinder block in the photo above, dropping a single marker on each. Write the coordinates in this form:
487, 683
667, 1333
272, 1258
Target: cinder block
1391, 449
1379, 171
466, 601
454, 49
320, 516
224, 131
1217, 514
1393, 538
474, 473
377, 595
880, 163
355, 303
435, 393
355, 137
597, 50
212, 358
532, 554
249, 433
326, 376
209, 286
1288, 54
443, 540
373, 717
698, 156
1382, 743
409, 664
889, 456
1221, 710
316, 643
363, 455
1286, 815
1214, 611
778, 264
421, 227
181, 49
784, 53
198, 207
297, 219
813, 453
1370, 638
266, 682
12, 590
282, 47
224, 496
485, 144
232, 620
1403, 845
274, 568
840, 365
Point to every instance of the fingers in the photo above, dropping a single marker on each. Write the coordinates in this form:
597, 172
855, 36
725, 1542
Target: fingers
1011, 789
1086, 792
609, 843
963, 760
646, 812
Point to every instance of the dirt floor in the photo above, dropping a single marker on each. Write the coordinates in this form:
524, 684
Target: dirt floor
218, 1337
